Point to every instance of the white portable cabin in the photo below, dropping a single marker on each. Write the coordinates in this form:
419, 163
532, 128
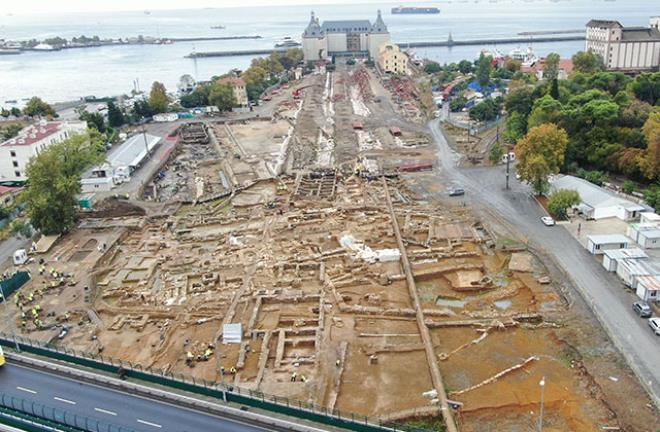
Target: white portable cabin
630, 270
649, 239
20, 257
612, 257
598, 244
649, 218
648, 288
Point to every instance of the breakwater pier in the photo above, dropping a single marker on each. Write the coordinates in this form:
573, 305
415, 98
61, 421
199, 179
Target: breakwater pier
446, 43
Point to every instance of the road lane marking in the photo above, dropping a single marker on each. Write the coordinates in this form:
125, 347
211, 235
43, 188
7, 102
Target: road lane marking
26, 390
70, 402
105, 411
149, 423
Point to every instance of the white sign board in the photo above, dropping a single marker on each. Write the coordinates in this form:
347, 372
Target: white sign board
232, 333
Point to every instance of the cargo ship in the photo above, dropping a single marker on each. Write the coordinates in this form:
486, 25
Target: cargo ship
415, 10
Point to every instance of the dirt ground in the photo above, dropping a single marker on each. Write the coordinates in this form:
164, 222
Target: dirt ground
303, 252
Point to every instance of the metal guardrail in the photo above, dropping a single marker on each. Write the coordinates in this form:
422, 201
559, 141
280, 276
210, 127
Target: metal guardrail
36, 416
218, 390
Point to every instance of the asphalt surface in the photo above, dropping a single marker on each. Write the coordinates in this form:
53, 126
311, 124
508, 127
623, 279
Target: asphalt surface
602, 290
8, 247
109, 406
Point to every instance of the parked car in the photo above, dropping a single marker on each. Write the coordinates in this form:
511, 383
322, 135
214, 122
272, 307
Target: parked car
456, 192
547, 221
654, 323
642, 309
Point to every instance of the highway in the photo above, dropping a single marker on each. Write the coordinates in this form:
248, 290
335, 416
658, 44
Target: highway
602, 291
109, 406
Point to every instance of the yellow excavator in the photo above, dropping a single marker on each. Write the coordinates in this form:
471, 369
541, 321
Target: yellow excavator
2, 357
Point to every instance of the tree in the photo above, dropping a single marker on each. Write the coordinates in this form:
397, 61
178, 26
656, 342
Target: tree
432, 67
141, 109
484, 67
520, 100
651, 163
551, 67
485, 111
158, 100
15, 112
546, 110
5, 113
115, 115
562, 200
554, 89
513, 65
222, 96
94, 120
21, 229
541, 153
496, 153
647, 87
587, 62
54, 182
457, 103
465, 67
515, 127
38, 108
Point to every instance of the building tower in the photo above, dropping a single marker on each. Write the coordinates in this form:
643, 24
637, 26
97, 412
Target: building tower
378, 36
314, 41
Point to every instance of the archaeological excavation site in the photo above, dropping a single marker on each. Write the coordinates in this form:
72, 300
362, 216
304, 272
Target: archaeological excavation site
313, 254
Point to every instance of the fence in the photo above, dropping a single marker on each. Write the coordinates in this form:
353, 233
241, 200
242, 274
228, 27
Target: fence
13, 283
34, 412
229, 393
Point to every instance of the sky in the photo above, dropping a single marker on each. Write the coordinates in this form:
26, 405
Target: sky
48, 6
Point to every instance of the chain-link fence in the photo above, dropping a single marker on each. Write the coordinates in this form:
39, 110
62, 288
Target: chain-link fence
35, 412
219, 390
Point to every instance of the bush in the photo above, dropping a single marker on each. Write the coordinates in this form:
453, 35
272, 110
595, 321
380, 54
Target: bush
628, 187
432, 67
595, 177
496, 153
652, 196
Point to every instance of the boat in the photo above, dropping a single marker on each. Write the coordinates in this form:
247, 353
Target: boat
218, 27
9, 51
287, 42
401, 10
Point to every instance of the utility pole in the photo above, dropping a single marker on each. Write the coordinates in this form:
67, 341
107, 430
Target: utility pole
542, 384
10, 322
508, 161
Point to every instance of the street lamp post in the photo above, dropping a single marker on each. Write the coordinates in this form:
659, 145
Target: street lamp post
542, 384
8, 318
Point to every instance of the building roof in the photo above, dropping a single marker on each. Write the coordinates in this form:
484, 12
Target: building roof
379, 25
638, 267
361, 26
313, 28
132, 151
632, 253
594, 196
33, 133
651, 233
564, 64
235, 81
608, 239
604, 23
651, 283
641, 34
651, 216
6, 189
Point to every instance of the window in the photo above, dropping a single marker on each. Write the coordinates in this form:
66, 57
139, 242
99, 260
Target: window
17, 173
12, 153
15, 164
597, 247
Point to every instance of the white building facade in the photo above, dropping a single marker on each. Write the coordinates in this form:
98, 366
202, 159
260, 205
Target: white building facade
627, 49
358, 38
32, 140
